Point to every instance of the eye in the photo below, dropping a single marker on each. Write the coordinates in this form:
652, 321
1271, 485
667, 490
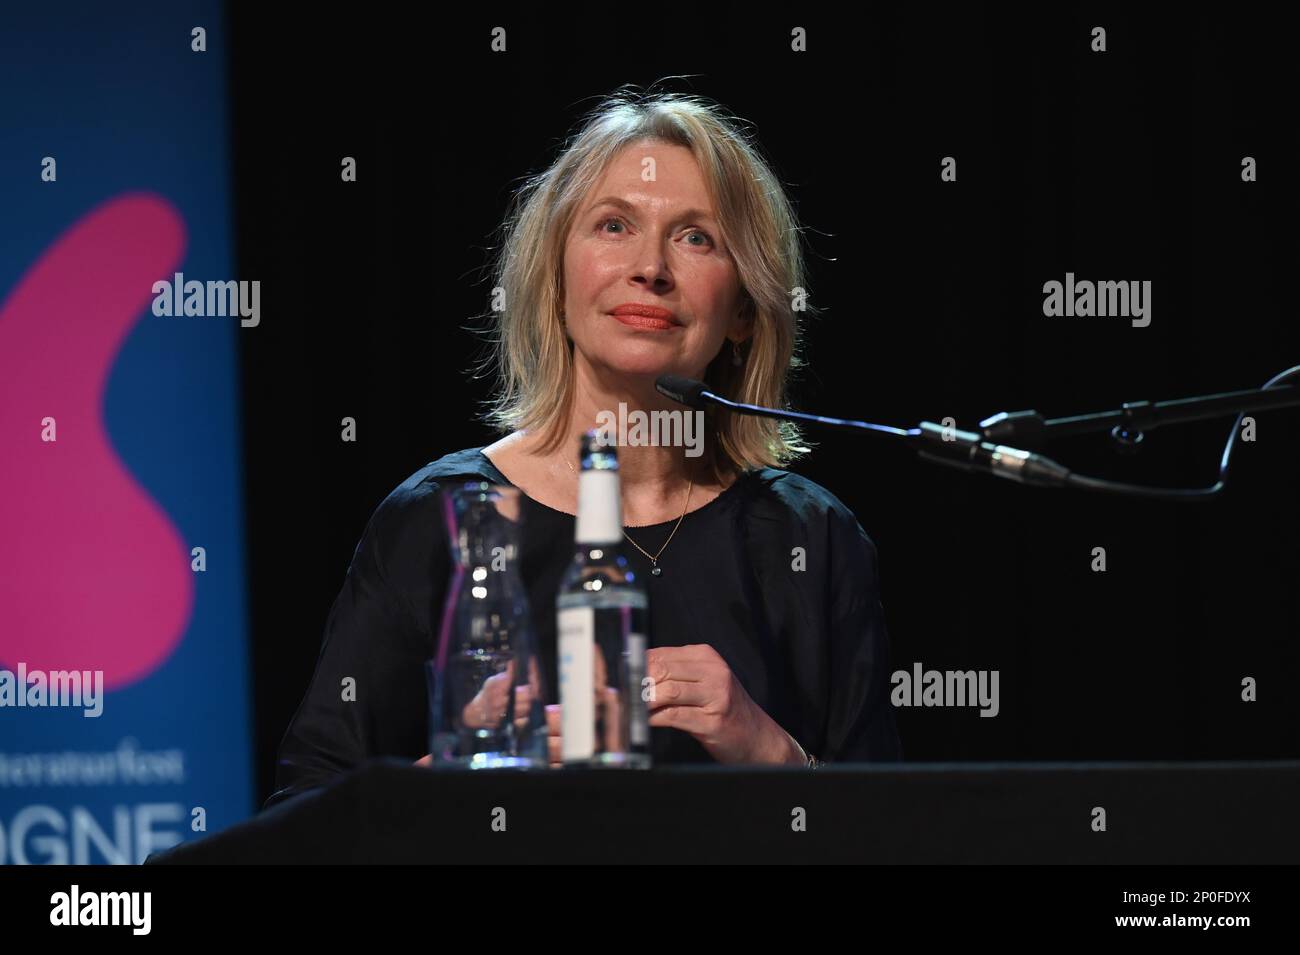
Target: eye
603, 224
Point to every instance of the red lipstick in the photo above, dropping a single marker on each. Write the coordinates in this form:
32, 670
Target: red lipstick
645, 316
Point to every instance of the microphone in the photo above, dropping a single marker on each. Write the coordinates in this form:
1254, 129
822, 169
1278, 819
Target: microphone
684, 391
948, 446
970, 452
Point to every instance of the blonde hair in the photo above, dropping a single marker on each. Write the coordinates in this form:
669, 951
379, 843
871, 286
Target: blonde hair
529, 349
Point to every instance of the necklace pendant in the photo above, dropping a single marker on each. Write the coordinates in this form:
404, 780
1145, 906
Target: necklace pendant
655, 570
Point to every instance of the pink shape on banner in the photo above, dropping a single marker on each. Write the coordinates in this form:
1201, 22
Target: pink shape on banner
93, 574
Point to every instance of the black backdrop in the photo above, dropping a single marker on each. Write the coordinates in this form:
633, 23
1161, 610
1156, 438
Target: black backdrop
1123, 165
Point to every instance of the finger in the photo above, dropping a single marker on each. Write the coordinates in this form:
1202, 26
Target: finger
688, 719
479, 712
496, 688
661, 667
553, 751
697, 653
692, 651
679, 693
553, 719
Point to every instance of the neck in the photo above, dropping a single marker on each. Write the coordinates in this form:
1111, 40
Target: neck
649, 474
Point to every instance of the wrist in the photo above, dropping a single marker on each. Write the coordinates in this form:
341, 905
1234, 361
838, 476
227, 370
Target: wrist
773, 746
800, 756
785, 750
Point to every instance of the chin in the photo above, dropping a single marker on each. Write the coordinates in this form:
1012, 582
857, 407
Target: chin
649, 362
642, 370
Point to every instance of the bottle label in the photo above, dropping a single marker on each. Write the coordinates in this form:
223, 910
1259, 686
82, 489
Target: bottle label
576, 629
600, 509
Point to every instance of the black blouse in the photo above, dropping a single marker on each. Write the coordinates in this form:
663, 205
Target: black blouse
775, 573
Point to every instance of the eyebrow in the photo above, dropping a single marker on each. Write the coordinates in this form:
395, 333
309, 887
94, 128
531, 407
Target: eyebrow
628, 207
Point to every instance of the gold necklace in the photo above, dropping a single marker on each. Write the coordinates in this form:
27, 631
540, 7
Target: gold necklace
655, 569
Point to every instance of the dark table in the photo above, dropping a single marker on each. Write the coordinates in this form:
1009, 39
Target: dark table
1160, 813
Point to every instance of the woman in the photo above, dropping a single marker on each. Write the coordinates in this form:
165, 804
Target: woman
658, 242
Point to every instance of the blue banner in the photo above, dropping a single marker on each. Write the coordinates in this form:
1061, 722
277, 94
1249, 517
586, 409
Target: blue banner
124, 702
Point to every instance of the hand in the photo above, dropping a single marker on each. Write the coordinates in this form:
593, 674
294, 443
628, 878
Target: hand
605, 696
694, 690
606, 706
488, 707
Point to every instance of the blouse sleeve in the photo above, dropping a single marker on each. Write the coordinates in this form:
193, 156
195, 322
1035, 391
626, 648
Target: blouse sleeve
368, 696
860, 724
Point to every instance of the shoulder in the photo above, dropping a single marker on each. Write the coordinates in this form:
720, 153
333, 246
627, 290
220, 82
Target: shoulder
414, 504
469, 463
797, 498
417, 487
790, 510
795, 510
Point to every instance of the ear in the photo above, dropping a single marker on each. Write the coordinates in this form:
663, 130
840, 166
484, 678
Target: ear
741, 326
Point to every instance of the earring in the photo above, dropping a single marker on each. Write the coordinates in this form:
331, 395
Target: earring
736, 359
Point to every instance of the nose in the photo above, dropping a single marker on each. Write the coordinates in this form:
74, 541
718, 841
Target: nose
651, 271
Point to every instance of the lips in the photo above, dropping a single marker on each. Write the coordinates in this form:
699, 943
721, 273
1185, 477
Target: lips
645, 316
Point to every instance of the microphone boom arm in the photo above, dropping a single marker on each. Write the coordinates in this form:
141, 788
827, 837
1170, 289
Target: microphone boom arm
974, 451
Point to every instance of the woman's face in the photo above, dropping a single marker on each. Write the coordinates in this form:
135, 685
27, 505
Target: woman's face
647, 235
